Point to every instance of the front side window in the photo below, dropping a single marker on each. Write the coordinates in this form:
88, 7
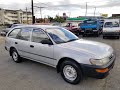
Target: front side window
61, 35
24, 34
115, 24
38, 35
14, 33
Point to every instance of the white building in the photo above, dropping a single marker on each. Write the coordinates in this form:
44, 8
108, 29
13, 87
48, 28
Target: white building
15, 16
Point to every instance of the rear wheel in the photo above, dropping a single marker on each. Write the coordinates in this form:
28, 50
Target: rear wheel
71, 72
118, 37
15, 56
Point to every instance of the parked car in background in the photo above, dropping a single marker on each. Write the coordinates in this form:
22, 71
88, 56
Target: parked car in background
102, 22
91, 26
56, 24
6, 30
73, 28
111, 28
59, 48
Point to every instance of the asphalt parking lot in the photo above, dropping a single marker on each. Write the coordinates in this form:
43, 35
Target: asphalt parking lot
30, 75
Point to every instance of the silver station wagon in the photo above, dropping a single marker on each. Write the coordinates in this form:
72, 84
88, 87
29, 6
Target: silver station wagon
74, 58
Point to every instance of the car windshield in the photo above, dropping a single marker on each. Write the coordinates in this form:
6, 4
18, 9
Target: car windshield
61, 35
111, 24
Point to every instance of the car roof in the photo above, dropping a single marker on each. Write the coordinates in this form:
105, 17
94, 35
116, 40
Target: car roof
37, 26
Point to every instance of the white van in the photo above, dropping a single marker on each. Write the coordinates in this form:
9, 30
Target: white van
111, 27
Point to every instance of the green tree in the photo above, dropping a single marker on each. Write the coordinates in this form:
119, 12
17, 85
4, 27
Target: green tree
59, 19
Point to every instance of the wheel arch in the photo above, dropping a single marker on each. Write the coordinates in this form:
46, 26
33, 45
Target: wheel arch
10, 51
64, 59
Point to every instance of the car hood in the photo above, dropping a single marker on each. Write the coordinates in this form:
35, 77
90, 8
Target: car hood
94, 49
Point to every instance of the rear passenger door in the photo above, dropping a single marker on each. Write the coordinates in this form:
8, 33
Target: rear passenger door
41, 52
11, 38
23, 42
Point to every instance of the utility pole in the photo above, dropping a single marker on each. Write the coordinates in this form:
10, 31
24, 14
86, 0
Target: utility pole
26, 15
94, 11
41, 12
86, 10
33, 21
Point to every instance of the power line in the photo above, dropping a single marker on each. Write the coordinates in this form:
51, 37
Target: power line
40, 10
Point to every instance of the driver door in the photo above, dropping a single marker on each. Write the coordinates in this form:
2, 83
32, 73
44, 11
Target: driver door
41, 52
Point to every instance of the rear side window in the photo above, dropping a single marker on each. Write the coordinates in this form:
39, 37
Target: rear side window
24, 34
14, 33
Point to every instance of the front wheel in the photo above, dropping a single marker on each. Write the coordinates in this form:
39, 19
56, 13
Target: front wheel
71, 72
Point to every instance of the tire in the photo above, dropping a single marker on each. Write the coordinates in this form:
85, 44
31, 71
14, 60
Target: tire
84, 35
15, 56
71, 72
118, 37
97, 35
104, 37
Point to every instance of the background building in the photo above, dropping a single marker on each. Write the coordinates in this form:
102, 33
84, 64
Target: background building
15, 16
115, 15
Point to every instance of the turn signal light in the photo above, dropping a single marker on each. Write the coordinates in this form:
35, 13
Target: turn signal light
102, 70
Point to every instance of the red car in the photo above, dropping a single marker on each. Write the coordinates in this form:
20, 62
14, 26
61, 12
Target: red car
73, 29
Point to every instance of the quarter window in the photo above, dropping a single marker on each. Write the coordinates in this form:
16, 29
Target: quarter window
14, 33
38, 35
24, 34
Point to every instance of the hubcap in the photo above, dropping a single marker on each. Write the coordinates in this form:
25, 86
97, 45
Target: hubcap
70, 72
15, 56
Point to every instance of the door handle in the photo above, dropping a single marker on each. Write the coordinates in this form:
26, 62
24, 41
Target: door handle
16, 42
31, 46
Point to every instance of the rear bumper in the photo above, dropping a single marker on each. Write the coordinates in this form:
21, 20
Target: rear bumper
111, 33
90, 70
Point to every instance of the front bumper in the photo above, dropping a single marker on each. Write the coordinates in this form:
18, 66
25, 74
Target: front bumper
90, 31
111, 33
90, 70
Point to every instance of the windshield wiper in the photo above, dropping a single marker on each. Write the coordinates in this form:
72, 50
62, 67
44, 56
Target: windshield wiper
72, 40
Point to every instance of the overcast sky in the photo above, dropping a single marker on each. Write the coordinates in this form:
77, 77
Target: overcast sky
73, 8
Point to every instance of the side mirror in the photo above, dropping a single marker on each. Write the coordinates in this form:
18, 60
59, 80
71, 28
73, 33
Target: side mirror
47, 41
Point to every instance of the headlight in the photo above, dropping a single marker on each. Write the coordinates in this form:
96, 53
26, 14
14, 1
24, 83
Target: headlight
99, 62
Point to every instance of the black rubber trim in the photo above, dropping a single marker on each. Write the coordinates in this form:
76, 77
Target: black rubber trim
90, 70
37, 54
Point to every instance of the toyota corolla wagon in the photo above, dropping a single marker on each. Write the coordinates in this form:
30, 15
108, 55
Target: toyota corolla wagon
55, 46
